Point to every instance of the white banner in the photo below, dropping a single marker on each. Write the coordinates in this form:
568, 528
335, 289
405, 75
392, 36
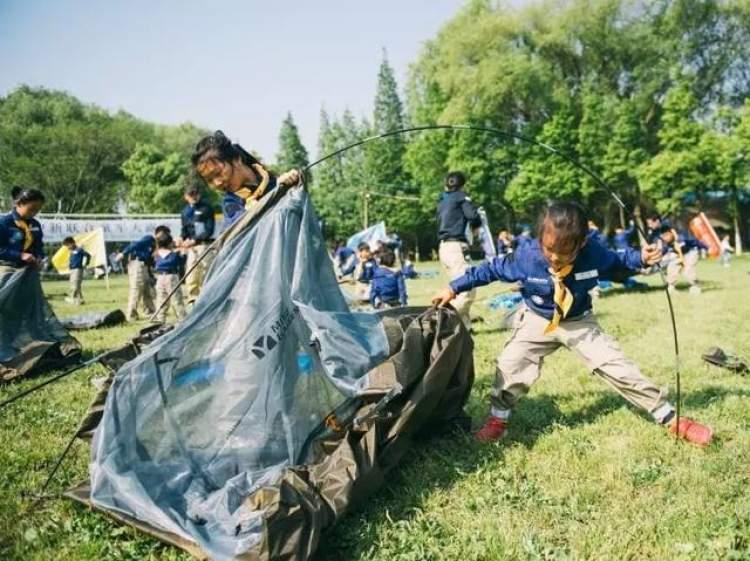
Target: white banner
115, 229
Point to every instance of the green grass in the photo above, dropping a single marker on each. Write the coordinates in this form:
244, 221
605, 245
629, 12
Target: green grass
581, 476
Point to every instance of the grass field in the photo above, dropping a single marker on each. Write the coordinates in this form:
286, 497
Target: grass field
581, 476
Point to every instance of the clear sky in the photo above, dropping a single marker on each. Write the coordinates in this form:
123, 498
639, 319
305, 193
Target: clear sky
235, 65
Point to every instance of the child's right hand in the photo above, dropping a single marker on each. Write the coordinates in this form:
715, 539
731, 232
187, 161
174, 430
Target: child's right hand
443, 297
28, 258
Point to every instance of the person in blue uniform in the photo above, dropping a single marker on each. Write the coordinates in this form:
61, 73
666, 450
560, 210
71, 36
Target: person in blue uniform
387, 286
77, 262
596, 234
345, 260
140, 254
504, 242
21, 235
21, 248
681, 256
556, 273
363, 272
197, 233
168, 265
455, 213
232, 170
621, 239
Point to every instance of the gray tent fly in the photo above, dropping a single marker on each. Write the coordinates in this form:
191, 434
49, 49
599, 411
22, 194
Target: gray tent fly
271, 409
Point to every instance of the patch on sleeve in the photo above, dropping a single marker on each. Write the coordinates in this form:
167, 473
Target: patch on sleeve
583, 275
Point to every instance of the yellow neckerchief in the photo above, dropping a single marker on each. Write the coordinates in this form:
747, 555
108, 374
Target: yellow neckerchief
563, 297
678, 248
28, 235
252, 196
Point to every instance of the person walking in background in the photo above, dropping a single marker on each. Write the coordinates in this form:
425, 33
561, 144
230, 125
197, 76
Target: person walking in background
197, 233
455, 213
167, 266
77, 263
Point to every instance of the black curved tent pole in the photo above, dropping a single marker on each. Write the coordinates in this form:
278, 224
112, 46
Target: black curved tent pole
568, 158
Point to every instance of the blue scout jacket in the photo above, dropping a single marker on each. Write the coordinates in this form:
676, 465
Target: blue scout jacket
170, 263
529, 266
79, 258
367, 271
455, 210
12, 239
233, 206
387, 286
198, 222
142, 249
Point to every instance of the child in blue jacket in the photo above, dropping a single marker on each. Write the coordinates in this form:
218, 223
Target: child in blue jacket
556, 272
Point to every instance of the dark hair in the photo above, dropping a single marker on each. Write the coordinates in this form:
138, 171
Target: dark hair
218, 147
569, 222
455, 180
162, 230
664, 228
363, 245
69, 241
387, 257
653, 216
164, 241
25, 195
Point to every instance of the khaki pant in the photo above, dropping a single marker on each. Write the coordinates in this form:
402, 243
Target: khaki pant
688, 268
140, 289
76, 281
194, 280
165, 284
520, 363
455, 262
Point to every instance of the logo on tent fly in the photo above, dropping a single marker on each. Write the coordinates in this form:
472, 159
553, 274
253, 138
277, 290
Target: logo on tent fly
280, 327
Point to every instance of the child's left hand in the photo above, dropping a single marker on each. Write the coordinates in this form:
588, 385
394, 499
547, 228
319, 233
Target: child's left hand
651, 255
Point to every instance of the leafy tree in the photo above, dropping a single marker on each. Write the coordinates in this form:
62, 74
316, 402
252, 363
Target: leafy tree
686, 163
156, 179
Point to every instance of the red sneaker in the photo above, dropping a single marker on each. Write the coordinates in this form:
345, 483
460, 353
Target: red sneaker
692, 431
492, 431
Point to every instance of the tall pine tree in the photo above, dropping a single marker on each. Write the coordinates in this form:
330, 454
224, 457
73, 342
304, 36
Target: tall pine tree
292, 153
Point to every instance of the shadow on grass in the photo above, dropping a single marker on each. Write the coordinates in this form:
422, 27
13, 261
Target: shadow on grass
439, 463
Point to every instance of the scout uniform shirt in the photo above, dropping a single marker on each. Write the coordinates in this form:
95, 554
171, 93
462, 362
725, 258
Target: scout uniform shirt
142, 249
387, 286
17, 236
79, 258
529, 266
198, 222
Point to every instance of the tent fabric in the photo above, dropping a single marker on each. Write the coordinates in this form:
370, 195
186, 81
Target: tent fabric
348, 460
32, 339
94, 320
255, 423
374, 236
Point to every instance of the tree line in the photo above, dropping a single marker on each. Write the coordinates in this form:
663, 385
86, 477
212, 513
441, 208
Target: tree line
648, 94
